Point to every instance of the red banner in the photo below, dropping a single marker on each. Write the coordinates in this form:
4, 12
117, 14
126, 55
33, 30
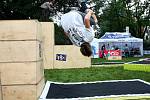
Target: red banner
115, 52
109, 53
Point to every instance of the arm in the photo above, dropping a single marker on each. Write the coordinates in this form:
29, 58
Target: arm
95, 18
87, 18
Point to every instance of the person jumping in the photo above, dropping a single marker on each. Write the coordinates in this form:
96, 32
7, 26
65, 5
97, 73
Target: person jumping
78, 28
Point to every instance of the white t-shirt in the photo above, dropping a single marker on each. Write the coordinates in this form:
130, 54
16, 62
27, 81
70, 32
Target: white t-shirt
73, 24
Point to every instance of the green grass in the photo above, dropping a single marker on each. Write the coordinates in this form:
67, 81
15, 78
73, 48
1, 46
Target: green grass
94, 74
97, 73
129, 59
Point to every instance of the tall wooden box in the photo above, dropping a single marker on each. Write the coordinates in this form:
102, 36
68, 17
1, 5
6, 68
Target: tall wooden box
21, 62
23, 91
20, 30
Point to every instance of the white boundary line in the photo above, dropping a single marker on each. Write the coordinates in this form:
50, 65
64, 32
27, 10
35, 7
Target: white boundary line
101, 97
94, 81
45, 91
144, 82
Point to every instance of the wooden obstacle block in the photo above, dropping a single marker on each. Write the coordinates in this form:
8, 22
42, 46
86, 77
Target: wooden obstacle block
0, 93
20, 30
23, 92
21, 60
0, 88
48, 44
74, 58
21, 73
20, 51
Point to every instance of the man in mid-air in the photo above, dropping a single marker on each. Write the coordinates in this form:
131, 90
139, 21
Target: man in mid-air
77, 26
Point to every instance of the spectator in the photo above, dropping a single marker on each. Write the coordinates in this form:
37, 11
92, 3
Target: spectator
108, 47
103, 50
126, 50
47, 9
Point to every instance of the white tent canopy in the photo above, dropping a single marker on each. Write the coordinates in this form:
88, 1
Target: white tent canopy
117, 39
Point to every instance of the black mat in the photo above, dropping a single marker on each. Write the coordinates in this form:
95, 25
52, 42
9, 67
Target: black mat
144, 61
141, 62
60, 91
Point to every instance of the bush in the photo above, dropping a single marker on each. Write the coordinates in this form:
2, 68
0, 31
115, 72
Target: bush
60, 37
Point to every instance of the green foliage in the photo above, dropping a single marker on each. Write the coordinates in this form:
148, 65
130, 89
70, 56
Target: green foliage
113, 15
118, 14
60, 37
20, 9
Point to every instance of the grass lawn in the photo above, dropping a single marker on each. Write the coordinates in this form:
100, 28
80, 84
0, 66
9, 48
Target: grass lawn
129, 59
94, 74
97, 73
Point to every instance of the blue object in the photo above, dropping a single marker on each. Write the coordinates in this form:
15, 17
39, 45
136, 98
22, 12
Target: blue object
61, 57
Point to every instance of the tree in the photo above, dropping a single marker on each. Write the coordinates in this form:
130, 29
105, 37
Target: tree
113, 15
19, 9
139, 10
112, 18
26, 9
121, 13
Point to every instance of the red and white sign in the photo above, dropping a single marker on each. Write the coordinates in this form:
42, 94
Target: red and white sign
109, 53
114, 52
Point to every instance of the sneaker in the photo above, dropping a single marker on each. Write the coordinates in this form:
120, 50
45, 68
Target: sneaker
57, 18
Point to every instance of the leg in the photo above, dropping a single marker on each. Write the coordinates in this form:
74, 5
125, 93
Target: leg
84, 9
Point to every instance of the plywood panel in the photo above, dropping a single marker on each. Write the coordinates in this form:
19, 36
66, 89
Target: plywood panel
20, 29
114, 58
40, 88
0, 88
23, 92
74, 59
21, 73
48, 44
39, 71
0, 93
19, 51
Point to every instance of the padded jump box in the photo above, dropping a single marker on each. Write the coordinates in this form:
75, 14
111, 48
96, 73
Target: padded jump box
141, 65
137, 67
99, 90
